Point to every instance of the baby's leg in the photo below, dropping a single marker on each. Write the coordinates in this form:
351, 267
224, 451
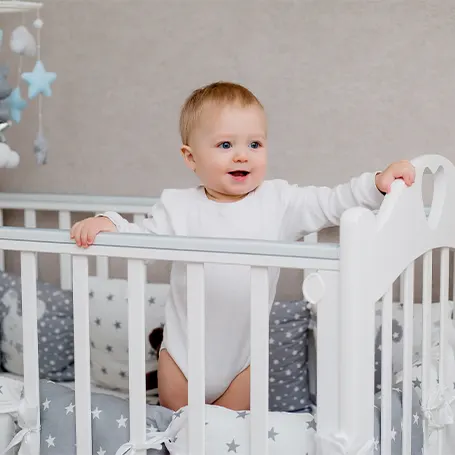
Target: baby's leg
173, 387
237, 395
172, 383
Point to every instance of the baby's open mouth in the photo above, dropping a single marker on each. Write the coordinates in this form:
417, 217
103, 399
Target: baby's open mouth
239, 173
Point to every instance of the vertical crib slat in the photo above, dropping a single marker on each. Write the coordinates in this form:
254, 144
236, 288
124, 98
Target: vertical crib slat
30, 222
196, 358
444, 297
427, 287
402, 288
64, 223
30, 339
102, 267
259, 360
408, 303
2, 253
30, 218
386, 374
82, 355
310, 239
136, 353
328, 355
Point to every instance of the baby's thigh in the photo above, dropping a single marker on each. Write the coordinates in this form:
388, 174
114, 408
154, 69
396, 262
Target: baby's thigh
237, 395
172, 383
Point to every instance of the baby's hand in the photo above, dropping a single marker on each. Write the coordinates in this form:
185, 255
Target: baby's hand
399, 170
85, 231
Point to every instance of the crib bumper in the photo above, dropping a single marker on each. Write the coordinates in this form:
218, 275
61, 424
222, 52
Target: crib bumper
27, 418
154, 442
338, 444
439, 412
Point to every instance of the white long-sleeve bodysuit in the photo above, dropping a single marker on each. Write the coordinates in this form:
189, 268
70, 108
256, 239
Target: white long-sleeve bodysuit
274, 211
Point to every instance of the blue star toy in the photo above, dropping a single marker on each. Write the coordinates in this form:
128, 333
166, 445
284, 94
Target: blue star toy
16, 104
39, 80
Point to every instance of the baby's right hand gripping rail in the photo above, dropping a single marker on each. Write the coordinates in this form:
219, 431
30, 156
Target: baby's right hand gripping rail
375, 249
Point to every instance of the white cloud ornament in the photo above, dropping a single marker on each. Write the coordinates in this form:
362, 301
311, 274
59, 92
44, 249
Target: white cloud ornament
8, 158
23, 42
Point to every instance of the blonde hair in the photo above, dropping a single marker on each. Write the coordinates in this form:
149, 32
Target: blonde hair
217, 92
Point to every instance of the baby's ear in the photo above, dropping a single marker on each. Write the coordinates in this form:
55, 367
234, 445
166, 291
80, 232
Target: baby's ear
188, 156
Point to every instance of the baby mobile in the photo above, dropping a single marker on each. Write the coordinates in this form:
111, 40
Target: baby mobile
38, 81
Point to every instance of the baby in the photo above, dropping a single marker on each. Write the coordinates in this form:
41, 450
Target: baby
223, 130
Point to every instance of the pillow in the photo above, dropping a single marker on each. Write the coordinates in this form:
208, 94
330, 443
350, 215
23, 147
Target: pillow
109, 329
110, 421
10, 393
55, 329
288, 356
228, 431
397, 334
444, 401
397, 339
396, 427
289, 433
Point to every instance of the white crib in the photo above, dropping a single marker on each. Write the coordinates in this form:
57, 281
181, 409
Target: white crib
343, 281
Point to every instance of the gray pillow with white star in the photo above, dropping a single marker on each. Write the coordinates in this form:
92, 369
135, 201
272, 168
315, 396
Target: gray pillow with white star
110, 421
55, 329
288, 356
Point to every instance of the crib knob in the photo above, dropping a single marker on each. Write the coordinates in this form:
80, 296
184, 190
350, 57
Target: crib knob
313, 288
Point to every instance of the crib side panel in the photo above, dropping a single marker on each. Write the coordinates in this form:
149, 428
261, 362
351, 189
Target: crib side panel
357, 330
376, 250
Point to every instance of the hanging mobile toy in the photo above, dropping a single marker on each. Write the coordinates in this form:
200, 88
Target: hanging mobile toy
8, 158
39, 81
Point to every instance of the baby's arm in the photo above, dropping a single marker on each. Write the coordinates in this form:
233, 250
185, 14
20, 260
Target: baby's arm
310, 209
84, 232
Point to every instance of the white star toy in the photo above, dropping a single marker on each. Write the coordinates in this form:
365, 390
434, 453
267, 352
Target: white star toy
39, 80
46, 404
122, 421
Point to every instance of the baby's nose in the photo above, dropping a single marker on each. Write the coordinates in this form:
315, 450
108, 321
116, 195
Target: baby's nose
241, 156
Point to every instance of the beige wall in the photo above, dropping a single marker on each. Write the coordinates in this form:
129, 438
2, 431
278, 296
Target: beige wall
348, 86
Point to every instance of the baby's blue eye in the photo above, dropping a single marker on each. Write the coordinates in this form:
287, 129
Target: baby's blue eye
255, 145
225, 145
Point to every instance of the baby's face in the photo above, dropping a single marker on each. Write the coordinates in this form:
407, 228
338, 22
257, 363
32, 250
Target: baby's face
228, 150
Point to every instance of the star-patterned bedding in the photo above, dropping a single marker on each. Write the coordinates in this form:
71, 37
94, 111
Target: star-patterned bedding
55, 329
289, 329
109, 418
227, 432
108, 329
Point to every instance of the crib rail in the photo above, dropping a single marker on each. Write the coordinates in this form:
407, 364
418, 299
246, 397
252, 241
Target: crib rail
65, 206
138, 249
75, 202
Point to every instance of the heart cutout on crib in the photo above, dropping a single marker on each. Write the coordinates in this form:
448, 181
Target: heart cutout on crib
433, 191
